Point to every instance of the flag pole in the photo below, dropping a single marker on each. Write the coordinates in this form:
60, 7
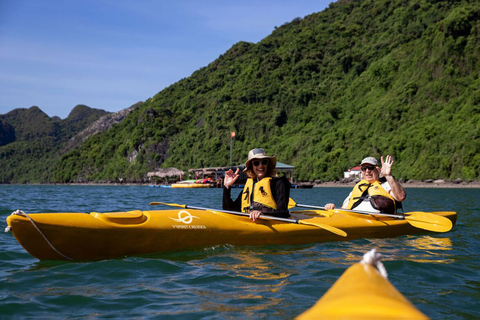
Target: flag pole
232, 135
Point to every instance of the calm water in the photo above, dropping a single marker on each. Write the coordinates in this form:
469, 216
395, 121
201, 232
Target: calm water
439, 273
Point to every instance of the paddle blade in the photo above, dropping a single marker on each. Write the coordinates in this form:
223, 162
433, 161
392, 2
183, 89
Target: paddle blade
291, 203
335, 230
429, 221
168, 204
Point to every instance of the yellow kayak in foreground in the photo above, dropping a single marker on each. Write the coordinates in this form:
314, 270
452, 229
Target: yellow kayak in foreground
362, 292
97, 236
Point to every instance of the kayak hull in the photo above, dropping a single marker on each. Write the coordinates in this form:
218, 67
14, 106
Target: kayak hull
362, 293
97, 236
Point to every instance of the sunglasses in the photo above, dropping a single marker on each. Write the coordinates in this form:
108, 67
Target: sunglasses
371, 168
256, 163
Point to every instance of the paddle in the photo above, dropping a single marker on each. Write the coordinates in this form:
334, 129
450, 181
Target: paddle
418, 219
296, 221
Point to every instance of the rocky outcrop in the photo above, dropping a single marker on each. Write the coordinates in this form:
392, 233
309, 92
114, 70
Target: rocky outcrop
99, 126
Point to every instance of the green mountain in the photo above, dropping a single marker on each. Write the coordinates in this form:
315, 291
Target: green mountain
361, 78
31, 142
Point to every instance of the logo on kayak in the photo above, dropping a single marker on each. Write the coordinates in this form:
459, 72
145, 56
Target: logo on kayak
186, 218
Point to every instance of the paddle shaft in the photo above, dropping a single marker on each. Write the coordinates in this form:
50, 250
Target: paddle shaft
355, 211
422, 220
296, 221
230, 212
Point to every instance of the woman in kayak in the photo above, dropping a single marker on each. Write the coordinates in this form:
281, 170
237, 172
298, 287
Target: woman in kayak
263, 192
375, 194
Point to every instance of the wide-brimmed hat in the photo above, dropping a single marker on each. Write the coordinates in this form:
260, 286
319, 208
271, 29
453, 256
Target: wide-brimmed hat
259, 153
369, 160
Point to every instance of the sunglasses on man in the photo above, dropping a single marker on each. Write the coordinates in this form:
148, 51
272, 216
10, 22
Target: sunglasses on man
371, 168
256, 163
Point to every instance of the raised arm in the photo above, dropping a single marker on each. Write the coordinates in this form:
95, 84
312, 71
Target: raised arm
397, 191
230, 178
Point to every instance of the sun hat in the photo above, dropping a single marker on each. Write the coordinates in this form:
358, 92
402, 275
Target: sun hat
259, 153
369, 160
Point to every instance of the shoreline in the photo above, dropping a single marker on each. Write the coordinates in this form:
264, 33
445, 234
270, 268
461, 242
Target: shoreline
408, 184
316, 184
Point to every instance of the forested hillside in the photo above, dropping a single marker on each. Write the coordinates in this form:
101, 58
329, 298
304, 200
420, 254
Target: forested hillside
360, 78
31, 142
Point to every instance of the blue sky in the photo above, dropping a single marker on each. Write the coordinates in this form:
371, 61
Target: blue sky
110, 54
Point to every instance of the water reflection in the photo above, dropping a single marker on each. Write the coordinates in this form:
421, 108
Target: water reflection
254, 267
255, 280
422, 249
429, 249
430, 243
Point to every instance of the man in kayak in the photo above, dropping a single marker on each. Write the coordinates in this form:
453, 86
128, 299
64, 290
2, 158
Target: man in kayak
375, 194
263, 192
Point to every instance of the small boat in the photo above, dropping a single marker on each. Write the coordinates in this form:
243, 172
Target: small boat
191, 185
97, 236
363, 292
199, 183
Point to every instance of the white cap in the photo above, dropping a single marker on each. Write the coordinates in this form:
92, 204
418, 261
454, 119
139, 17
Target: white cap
369, 160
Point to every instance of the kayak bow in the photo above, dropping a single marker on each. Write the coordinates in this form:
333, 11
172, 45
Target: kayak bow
363, 292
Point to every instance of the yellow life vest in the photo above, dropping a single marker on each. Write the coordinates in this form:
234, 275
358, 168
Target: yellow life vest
262, 195
378, 196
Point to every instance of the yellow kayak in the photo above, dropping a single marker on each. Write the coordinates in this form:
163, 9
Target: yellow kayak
362, 292
96, 236
191, 185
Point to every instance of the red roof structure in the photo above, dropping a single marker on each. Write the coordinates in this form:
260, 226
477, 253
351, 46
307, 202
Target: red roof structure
352, 172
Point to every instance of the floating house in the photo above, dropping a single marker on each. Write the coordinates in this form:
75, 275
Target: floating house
218, 173
355, 172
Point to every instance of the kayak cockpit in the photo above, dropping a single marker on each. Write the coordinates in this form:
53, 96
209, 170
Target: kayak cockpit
129, 217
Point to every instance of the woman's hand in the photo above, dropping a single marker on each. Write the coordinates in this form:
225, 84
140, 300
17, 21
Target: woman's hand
254, 214
330, 206
230, 178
